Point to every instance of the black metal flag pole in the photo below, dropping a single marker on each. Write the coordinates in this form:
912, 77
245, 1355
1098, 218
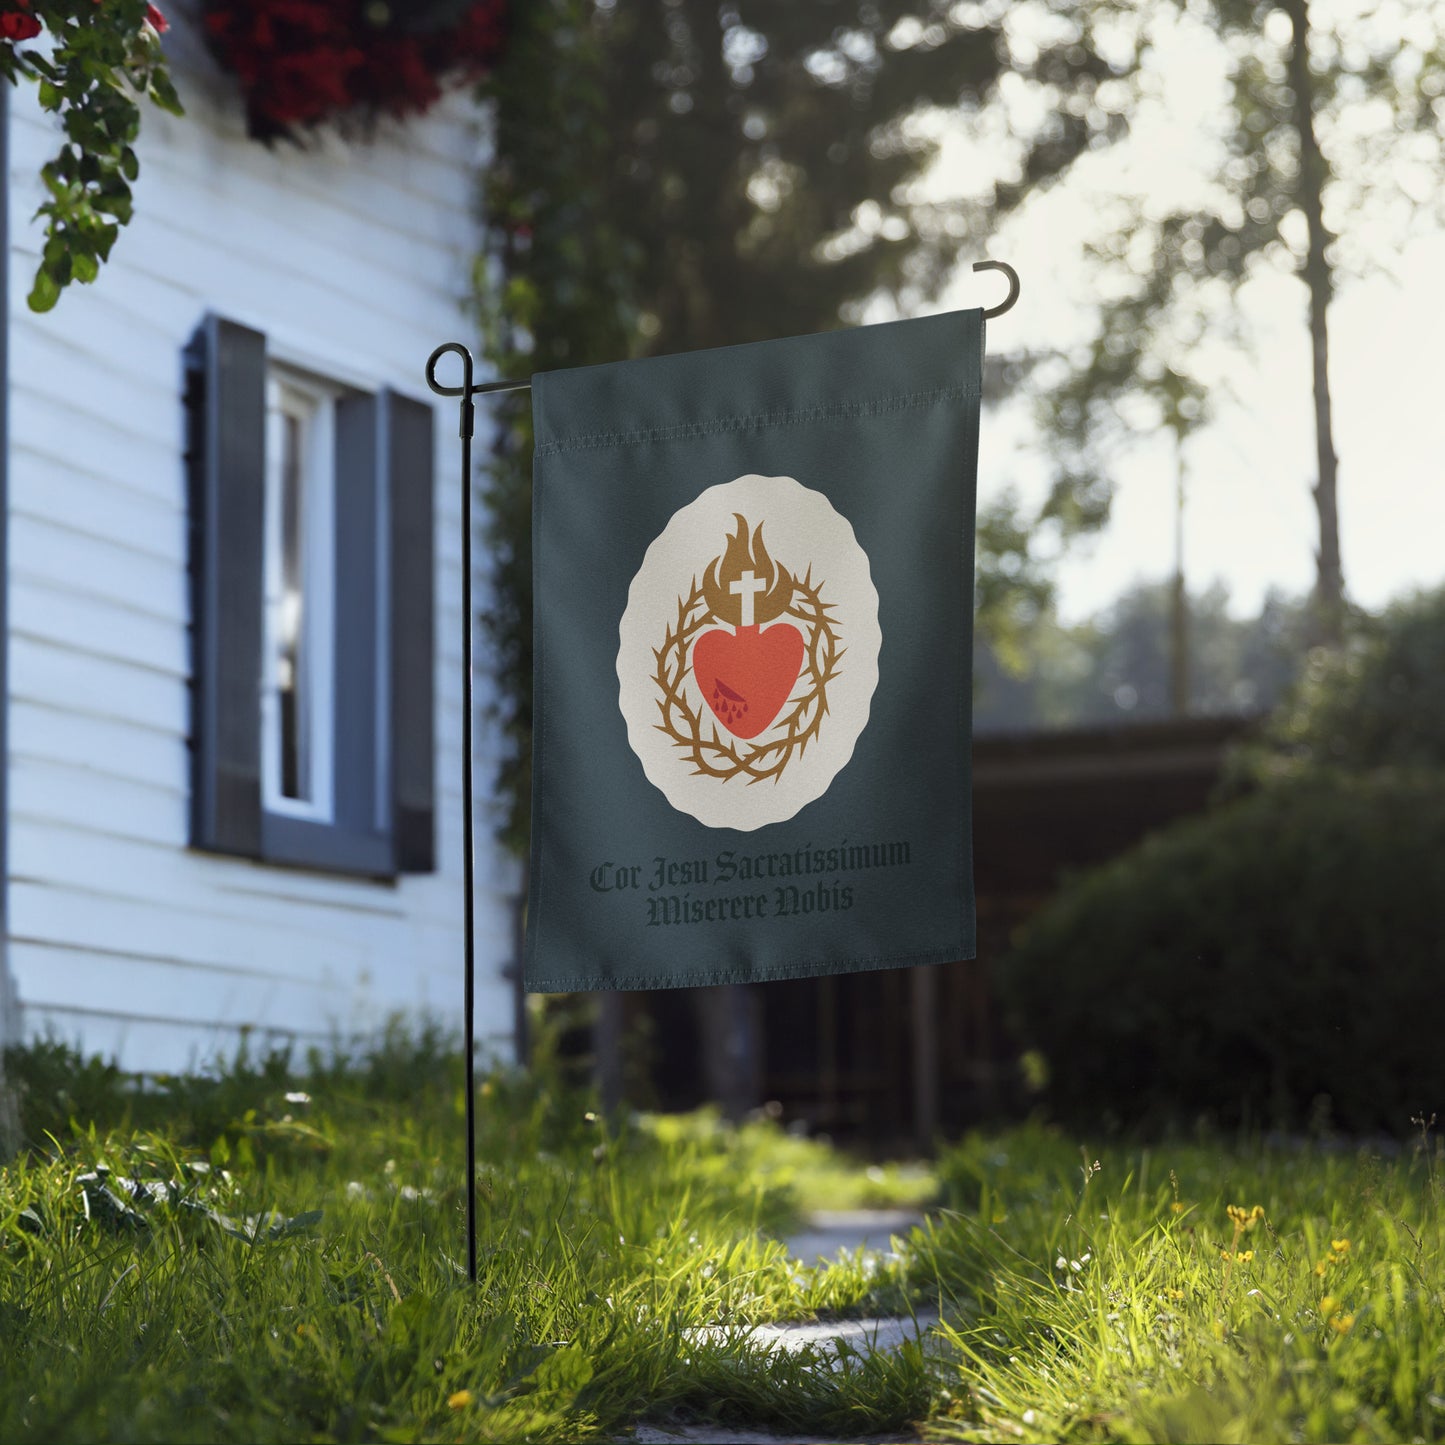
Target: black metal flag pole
465, 392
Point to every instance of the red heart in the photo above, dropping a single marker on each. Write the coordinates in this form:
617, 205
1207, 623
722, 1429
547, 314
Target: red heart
746, 675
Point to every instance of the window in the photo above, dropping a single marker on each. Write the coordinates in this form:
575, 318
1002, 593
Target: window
312, 613
298, 665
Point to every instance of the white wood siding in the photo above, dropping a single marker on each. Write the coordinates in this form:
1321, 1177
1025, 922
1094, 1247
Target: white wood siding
353, 259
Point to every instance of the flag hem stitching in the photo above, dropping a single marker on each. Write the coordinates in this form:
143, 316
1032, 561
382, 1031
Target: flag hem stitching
842, 411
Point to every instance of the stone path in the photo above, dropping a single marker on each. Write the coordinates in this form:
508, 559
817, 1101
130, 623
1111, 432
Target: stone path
732, 1435
831, 1231
827, 1234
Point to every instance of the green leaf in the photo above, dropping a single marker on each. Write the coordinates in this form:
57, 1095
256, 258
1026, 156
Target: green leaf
55, 183
565, 1370
86, 267
50, 96
121, 207
44, 293
298, 1224
163, 93
268, 1229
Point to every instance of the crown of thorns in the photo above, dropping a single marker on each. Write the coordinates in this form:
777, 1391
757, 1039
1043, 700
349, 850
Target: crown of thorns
698, 739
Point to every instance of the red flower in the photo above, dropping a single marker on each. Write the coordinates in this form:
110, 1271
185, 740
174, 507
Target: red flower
156, 20
302, 61
19, 24
479, 34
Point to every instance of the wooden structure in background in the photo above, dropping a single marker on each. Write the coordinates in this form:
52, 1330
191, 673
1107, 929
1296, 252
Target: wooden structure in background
889, 1059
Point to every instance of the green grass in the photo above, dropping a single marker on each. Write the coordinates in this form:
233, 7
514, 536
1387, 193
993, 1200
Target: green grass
1129, 1303
286, 1264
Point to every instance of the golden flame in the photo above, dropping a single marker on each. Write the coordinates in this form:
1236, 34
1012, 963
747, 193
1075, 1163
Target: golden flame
742, 556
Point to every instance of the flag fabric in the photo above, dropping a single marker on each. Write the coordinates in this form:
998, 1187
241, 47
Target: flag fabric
753, 573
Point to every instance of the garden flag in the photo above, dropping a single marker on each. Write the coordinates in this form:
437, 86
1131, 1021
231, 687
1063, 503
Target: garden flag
753, 573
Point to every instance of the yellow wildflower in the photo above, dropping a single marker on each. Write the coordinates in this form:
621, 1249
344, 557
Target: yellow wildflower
1246, 1256
1328, 1305
459, 1400
1322, 1266
1176, 1208
1340, 1246
1342, 1324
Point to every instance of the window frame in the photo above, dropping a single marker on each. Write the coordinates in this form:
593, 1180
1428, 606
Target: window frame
382, 820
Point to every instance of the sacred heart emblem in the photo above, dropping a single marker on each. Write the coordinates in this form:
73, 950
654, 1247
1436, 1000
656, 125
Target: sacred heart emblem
746, 676
743, 662
761, 649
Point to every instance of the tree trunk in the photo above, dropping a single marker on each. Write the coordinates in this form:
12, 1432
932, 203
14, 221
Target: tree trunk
732, 1018
607, 1051
515, 973
924, 1001
1329, 584
9, 1119
1179, 600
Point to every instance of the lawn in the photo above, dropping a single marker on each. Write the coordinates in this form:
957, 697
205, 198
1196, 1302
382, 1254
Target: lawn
276, 1255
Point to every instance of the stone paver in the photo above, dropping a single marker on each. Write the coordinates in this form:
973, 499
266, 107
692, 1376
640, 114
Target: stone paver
828, 1234
864, 1336
733, 1435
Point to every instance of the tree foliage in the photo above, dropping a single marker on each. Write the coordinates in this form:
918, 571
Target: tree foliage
1379, 703
1328, 154
675, 174
99, 61
1115, 667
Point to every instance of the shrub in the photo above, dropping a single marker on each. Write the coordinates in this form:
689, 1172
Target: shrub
1249, 964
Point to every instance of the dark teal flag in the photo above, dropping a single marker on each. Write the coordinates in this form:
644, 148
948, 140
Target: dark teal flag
754, 624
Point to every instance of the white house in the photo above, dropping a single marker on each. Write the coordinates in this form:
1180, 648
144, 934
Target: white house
232, 605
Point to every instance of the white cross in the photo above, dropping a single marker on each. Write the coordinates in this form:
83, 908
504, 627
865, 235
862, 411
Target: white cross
748, 586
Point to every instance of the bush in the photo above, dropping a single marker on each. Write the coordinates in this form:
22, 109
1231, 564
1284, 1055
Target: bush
1249, 964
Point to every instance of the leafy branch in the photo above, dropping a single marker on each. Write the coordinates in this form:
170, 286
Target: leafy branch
100, 60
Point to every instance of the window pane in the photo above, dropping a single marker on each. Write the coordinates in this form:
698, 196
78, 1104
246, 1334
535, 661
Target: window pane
292, 669
296, 703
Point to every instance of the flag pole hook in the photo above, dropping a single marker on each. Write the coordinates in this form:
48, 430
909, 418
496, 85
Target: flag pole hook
1013, 287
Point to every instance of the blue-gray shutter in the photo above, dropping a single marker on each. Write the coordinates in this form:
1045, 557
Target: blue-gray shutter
384, 747
226, 413
362, 802
409, 436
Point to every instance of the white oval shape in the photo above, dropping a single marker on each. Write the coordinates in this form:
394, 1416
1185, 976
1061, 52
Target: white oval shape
682, 738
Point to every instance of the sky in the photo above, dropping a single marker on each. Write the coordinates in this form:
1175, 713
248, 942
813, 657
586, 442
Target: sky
1250, 520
